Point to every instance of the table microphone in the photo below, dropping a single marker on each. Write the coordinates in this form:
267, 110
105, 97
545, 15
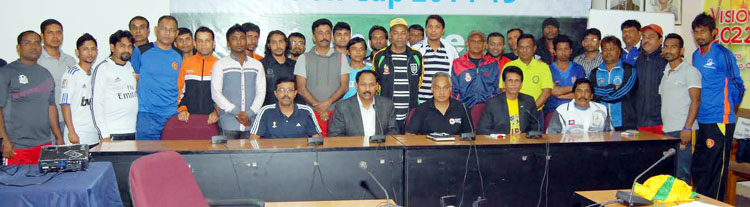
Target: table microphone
363, 166
635, 200
470, 136
533, 134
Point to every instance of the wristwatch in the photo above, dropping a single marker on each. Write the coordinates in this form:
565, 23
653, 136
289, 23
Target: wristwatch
686, 128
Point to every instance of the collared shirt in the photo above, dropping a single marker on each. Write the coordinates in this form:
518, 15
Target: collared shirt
629, 55
56, 67
368, 117
588, 66
158, 70
721, 84
675, 95
272, 123
536, 76
428, 119
276, 71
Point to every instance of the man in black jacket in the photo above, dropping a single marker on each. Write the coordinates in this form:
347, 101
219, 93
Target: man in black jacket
650, 66
400, 69
511, 111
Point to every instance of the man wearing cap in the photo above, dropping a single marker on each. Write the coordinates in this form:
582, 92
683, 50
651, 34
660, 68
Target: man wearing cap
476, 76
401, 70
650, 66
437, 52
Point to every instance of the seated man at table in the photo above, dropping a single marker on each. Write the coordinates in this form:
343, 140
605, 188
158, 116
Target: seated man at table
580, 115
285, 119
441, 114
364, 114
510, 112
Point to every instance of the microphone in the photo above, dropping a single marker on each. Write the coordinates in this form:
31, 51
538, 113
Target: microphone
470, 136
363, 166
533, 134
378, 138
640, 201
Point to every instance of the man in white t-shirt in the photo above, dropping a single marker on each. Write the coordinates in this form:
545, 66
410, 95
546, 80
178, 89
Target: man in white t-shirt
580, 115
114, 100
75, 100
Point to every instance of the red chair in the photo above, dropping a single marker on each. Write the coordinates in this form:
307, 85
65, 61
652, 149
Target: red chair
476, 113
195, 128
164, 179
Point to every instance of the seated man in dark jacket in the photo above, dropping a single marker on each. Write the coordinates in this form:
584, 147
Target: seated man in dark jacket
441, 114
364, 114
511, 111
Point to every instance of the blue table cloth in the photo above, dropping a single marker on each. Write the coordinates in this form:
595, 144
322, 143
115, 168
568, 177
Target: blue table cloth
97, 186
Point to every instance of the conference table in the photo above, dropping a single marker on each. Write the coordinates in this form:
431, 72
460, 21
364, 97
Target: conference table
416, 171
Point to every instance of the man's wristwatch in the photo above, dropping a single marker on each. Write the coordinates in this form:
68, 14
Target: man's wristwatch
686, 128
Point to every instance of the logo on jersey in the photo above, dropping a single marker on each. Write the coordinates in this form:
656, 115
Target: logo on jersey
601, 81
23, 79
174, 65
64, 84
710, 143
413, 68
299, 125
467, 77
386, 70
274, 125
117, 79
535, 79
617, 81
710, 64
572, 122
85, 101
453, 121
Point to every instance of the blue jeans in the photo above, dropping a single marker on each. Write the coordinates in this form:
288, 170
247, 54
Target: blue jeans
684, 158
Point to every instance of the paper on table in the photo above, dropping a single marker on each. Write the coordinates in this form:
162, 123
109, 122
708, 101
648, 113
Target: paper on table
695, 204
742, 128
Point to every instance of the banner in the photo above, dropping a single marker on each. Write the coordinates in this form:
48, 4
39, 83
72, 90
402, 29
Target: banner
733, 25
461, 16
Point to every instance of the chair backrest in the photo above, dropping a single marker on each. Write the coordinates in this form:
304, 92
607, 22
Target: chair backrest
164, 179
195, 128
476, 113
408, 117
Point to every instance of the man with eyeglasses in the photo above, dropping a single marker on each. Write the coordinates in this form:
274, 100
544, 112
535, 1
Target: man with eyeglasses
591, 57
297, 42
285, 119
157, 66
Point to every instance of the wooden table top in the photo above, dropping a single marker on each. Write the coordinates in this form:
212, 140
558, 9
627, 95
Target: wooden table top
360, 142
599, 196
347, 203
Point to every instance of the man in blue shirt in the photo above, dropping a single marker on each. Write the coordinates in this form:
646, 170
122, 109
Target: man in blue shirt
722, 89
564, 73
157, 66
285, 119
613, 81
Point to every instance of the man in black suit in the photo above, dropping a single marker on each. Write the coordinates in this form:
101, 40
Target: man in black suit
364, 114
511, 111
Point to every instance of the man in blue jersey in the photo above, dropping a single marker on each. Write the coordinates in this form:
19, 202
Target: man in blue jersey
721, 93
565, 72
612, 84
157, 66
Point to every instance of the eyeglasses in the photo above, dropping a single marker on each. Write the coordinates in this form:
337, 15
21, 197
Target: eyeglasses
285, 90
591, 40
298, 42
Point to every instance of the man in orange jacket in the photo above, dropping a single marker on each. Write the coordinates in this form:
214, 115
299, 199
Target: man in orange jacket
194, 81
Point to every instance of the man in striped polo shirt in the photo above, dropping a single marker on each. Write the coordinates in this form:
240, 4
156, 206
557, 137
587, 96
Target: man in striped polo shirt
437, 52
401, 69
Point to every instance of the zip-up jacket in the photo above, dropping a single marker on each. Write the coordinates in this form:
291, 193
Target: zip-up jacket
473, 85
618, 99
194, 85
647, 98
237, 87
383, 66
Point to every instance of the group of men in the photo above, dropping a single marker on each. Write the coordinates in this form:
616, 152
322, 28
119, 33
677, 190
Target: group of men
417, 84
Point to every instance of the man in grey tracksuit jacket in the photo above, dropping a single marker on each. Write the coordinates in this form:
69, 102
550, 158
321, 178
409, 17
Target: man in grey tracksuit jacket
237, 88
